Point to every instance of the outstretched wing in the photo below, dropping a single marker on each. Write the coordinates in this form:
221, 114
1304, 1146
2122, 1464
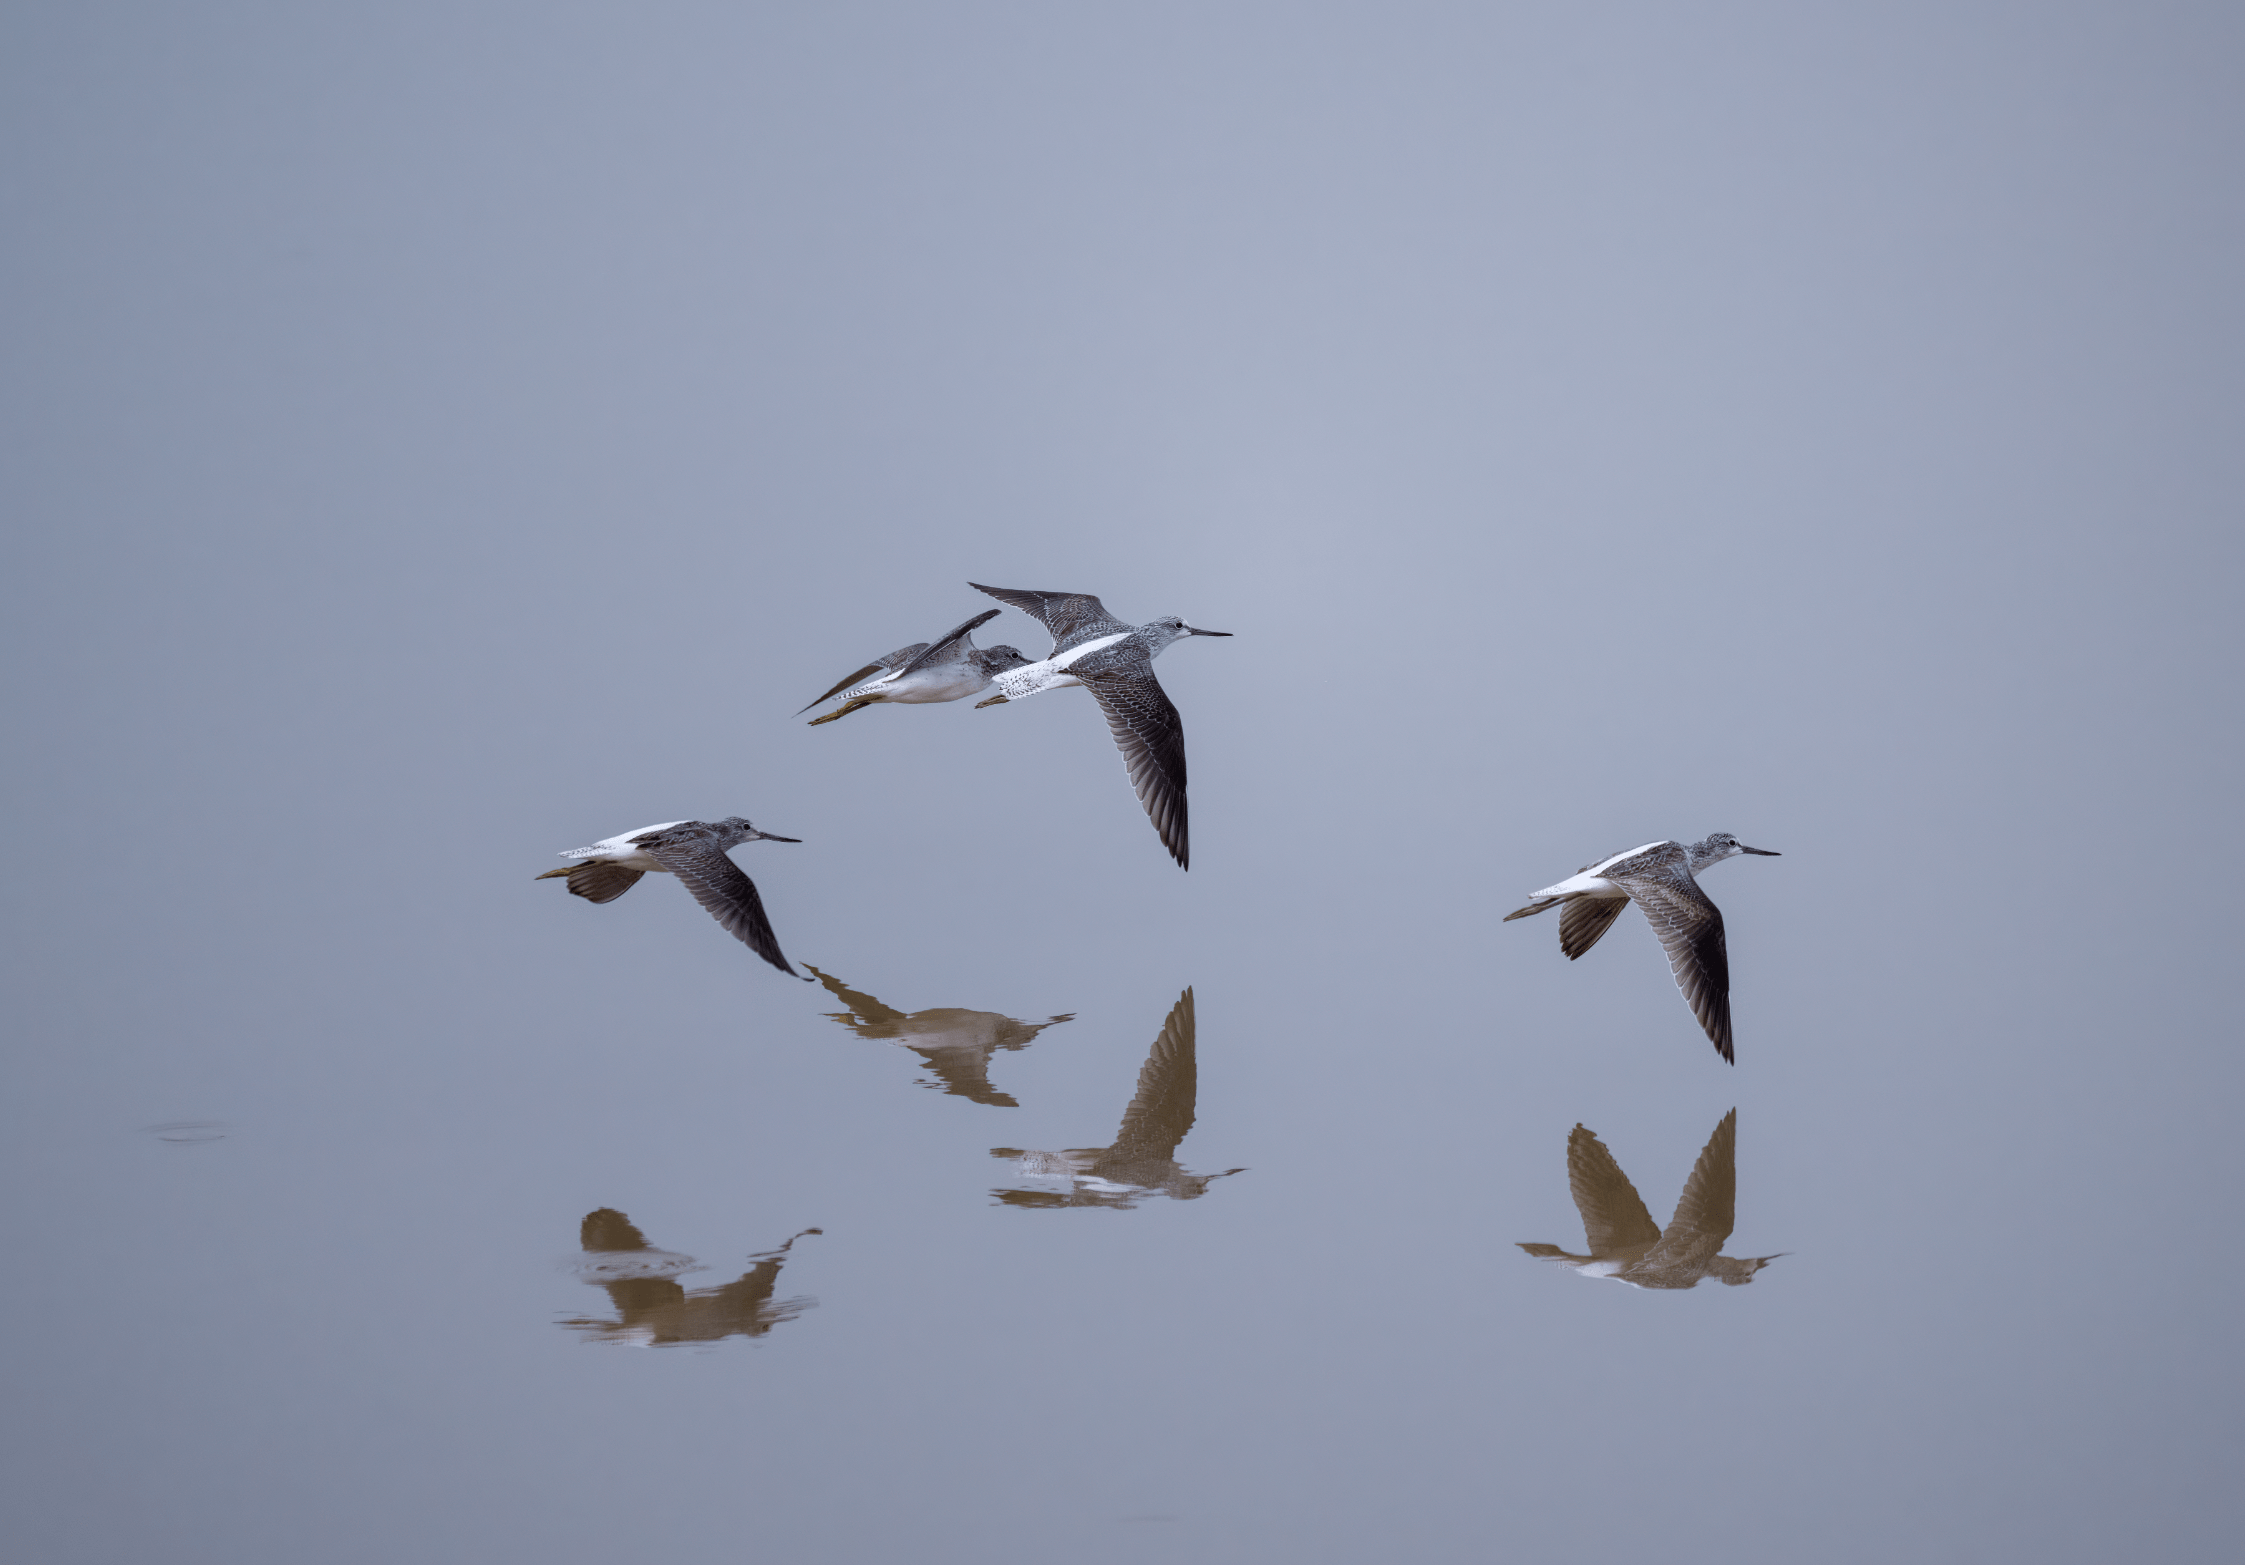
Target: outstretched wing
1151, 737
1584, 919
1709, 1205
896, 659
1613, 1215
937, 648
1072, 617
605, 1228
596, 880
691, 853
1161, 1111
1691, 931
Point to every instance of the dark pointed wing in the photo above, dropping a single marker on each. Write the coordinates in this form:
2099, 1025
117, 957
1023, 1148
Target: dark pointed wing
896, 659
865, 1011
691, 853
1691, 931
598, 882
1161, 1111
935, 649
1151, 737
1072, 617
1584, 919
1613, 1216
1533, 908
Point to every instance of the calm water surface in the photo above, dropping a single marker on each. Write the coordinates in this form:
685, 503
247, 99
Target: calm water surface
449, 436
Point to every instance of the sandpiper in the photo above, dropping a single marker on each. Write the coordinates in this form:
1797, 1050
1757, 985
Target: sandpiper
955, 1044
1143, 1159
694, 851
1659, 877
1624, 1241
1115, 662
942, 670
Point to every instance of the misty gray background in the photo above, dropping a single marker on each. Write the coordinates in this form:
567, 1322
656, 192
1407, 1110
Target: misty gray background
440, 435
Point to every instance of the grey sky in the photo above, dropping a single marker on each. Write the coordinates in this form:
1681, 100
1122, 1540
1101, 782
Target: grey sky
440, 436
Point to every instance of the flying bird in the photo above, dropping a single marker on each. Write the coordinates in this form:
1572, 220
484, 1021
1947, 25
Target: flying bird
1661, 878
1628, 1246
943, 670
695, 852
1115, 662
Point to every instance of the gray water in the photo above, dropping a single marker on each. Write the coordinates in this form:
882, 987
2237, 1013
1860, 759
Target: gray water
444, 435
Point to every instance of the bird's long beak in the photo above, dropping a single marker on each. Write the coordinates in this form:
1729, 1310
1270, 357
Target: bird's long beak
1767, 853
765, 836
1195, 630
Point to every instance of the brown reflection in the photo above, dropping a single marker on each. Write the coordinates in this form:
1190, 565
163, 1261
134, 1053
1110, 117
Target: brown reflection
956, 1044
654, 1310
1625, 1243
1143, 1160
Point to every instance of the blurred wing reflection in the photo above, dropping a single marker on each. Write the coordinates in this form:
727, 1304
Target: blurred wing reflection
1706, 1210
1142, 1161
654, 1310
1614, 1218
956, 1045
1161, 1110
1623, 1241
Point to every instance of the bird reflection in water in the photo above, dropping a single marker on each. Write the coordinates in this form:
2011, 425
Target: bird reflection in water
655, 1311
956, 1044
1625, 1243
1143, 1160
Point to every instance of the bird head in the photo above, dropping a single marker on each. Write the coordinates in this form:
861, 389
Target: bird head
1172, 627
1722, 845
748, 833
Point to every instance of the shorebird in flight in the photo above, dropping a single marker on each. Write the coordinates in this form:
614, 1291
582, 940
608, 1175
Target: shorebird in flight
956, 1045
1115, 662
1661, 878
654, 1310
694, 851
943, 670
1624, 1241
1143, 1159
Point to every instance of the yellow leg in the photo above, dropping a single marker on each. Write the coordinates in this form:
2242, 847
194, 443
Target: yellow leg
843, 711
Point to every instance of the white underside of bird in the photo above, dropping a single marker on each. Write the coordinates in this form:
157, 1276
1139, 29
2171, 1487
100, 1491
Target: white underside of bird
1052, 673
938, 682
620, 849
